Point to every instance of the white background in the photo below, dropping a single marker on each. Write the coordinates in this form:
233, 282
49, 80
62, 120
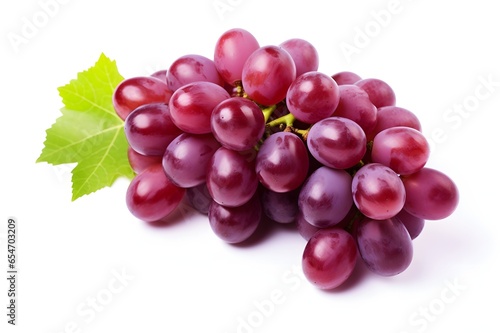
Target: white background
437, 56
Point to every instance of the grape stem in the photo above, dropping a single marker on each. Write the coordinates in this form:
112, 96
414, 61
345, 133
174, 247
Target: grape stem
369, 146
287, 120
268, 111
303, 133
238, 90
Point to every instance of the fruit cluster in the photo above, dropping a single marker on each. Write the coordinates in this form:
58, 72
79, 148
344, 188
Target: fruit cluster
258, 134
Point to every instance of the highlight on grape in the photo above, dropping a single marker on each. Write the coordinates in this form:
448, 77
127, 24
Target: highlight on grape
256, 134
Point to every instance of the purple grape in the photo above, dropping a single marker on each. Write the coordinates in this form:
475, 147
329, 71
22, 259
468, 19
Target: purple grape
140, 162
151, 196
304, 55
199, 198
305, 229
380, 93
313, 96
267, 74
231, 179
337, 142
280, 207
392, 116
329, 258
160, 75
326, 197
282, 162
378, 192
355, 104
237, 123
413, 224
430, 194
191, 106
149, 129
235, 224
405, 150
231, 51
192, 68
187, 158
136, 91
346, 77
384, 245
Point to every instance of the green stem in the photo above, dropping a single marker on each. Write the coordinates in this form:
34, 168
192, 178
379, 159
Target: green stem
238, 89
287, 119
268, 112
369, 146
302, 133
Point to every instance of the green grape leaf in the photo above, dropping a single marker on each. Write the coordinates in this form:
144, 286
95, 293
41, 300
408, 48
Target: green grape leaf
89, 132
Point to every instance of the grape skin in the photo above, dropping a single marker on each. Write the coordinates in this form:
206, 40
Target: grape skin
312, 96
337, 142
140, 162
267, 74
232, 49
378, 192
384, 245
392, 116
405, 150
231, 179
136, 91
304, 55
304, 228
192, 68
187, 158
282, 162
149, 129
326, 197
355, 104
199, 198
329, 258
413, 224
237, 123
280, 207
430, 194
191, 106
346, 77
160, 75
379, 92
151, 196
235, 224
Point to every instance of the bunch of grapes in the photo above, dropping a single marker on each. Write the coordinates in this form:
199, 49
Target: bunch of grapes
258, 134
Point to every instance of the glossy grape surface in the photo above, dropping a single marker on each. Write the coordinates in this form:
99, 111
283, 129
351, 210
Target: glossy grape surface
149, 129
237, 123
312, 97
282, 162
235, 224
378, 192
187, 158
136, 91
231, 179
329, 258
191, 106
384, 245
267, 74
151, 196
430, 194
